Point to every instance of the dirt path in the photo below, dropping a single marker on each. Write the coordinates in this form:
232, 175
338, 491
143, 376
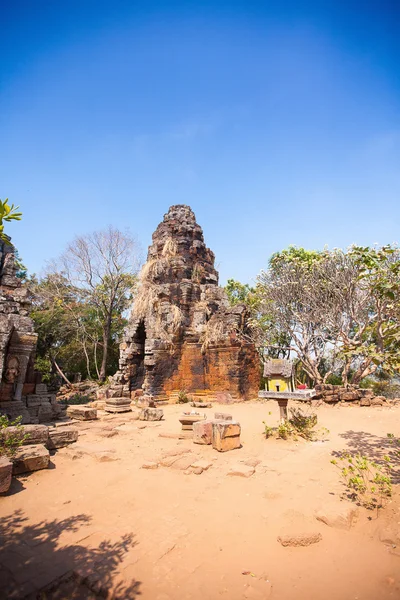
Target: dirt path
163, 534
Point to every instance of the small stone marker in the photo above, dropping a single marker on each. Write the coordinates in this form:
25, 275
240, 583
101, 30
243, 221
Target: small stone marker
41, 388
31, 458
117, 405
202, 432
82, 412
220, 416
5, 475
225, 435
151, 414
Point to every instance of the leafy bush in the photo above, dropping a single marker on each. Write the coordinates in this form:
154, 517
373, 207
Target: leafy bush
10, 441
368, 483
77, 399
183, 398
334, 379
300, 424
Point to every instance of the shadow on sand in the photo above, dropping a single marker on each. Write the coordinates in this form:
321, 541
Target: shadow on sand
33, 553
375, 448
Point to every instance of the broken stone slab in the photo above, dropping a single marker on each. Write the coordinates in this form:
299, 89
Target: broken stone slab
201, 404
200, 465
220, 416
82, 412
36, 434
241, 471
225, 435
389, 534
151, 414
100, 454
62, 436
6, 468
202, 432
340, 515
224, 398
300, 539
31, 458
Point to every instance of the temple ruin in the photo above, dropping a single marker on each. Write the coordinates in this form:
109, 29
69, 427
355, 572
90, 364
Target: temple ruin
182, 332
21, 390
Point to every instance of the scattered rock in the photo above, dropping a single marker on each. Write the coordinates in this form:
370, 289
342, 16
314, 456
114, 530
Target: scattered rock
151, 414
378, 401
6, 468
82, 412
340, 515
241, 471
62, 436
300, 539
390, 535
220, 416
31, 458
126, 428
200, 465
252, 462
201, 404
150, 465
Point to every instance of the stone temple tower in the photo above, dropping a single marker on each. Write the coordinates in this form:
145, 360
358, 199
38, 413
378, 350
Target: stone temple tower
182, 332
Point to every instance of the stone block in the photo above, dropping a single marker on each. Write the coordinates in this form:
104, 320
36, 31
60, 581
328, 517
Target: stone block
329, 399
5, 474
45, 414
225, 435
82, 412
36, 434
62, 436
41, 388
378, 401
151, 414
349, 396
188, 421
202, 432
33, 401
117, 405
31, 458
300, 539
224, 398
222, 416
365, 401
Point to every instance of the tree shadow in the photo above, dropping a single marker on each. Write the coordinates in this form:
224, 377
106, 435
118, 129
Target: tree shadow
375, 448
36, 565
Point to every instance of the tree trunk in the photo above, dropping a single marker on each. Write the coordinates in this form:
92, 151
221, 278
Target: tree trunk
61, 373
106, 340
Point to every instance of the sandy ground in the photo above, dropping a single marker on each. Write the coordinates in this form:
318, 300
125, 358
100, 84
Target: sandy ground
164, 534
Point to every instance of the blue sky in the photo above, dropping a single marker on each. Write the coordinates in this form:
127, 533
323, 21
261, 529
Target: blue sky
277, 122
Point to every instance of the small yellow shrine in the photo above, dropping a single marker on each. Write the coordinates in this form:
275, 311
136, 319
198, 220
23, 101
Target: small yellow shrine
279, 375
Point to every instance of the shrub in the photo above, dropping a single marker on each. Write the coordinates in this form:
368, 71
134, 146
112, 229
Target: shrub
368, 483
77, 399
10, 442
183, 398
302, 423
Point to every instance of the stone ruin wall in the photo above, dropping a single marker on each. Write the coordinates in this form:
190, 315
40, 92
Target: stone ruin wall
21, 391
182, 333
349, 395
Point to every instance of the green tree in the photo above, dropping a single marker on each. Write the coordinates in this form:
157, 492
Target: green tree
7, 213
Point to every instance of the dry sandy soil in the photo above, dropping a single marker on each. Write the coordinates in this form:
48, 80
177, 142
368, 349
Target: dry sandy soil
168, 534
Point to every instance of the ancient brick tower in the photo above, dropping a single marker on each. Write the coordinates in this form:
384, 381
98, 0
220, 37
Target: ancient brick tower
182, 333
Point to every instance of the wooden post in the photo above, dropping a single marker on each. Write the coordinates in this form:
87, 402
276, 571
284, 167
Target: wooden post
283, 414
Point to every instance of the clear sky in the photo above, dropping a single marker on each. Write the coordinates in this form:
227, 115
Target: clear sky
277, 121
